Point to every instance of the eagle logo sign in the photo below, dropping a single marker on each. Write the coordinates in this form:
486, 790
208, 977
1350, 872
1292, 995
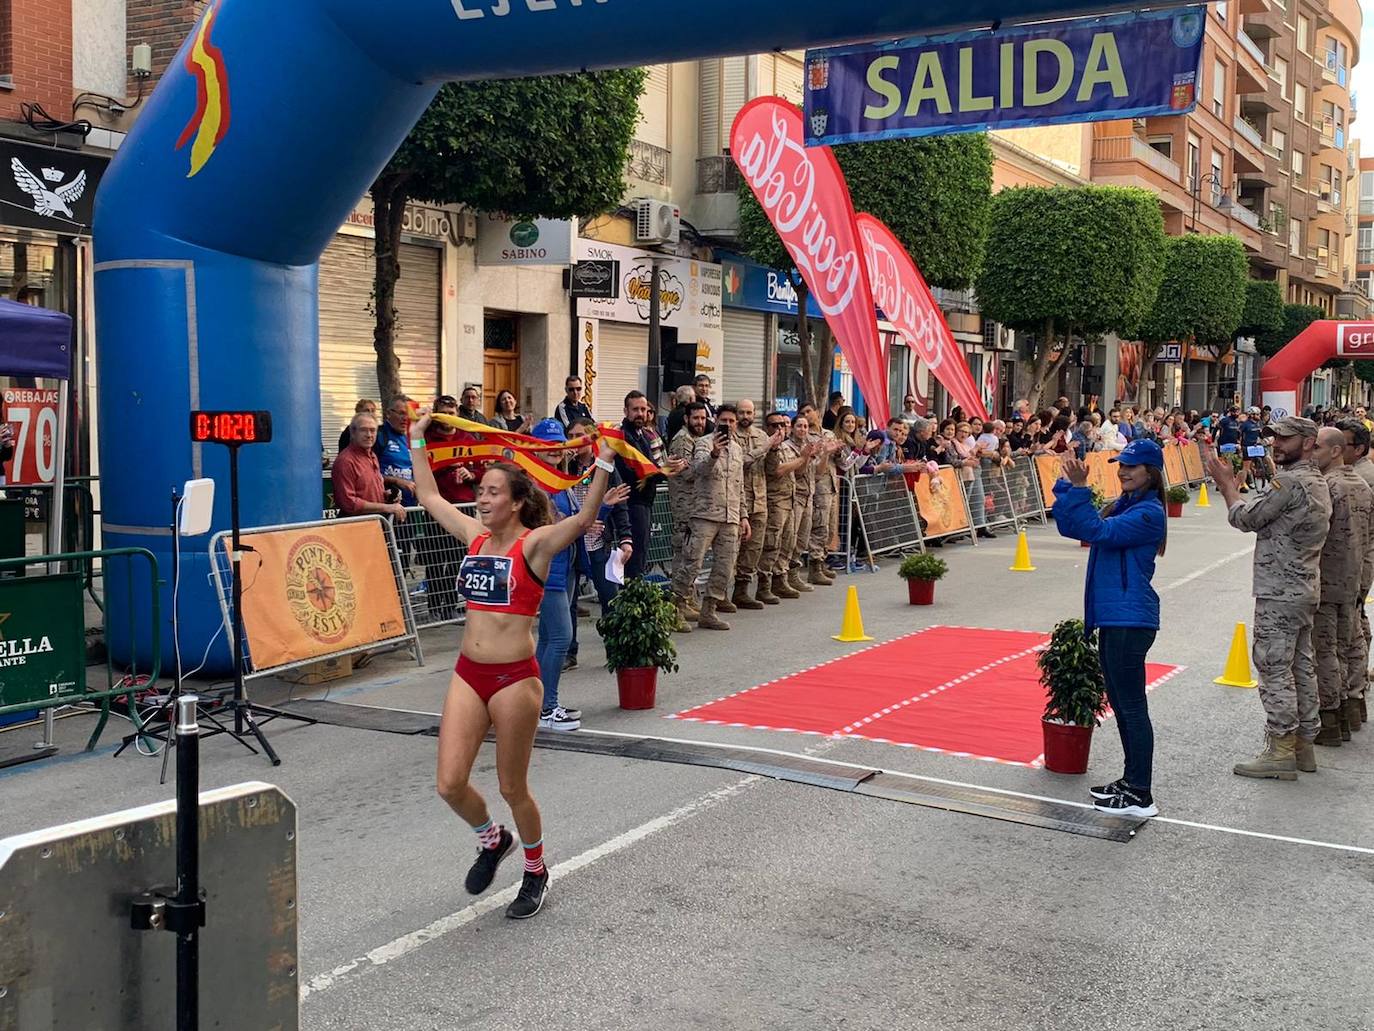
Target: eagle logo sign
49, 202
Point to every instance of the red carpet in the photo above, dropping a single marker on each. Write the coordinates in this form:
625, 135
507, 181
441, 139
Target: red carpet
961, 690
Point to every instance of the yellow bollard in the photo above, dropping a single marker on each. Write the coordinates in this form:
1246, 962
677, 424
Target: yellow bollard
852, 629
1237, 672
1022, 562
1202, 501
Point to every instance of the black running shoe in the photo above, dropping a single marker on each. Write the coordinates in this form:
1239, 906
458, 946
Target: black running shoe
1130, 802
488, 859
533, 891
1108, 790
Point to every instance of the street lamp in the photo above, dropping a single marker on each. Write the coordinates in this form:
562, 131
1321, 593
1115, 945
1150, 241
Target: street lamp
1215, 181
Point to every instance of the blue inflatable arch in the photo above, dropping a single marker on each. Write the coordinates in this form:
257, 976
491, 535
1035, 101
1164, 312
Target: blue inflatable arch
272, 121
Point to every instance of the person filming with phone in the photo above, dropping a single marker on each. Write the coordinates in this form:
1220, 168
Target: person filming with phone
1120, 601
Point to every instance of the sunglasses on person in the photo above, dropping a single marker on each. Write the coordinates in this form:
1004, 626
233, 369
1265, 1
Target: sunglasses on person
776, 425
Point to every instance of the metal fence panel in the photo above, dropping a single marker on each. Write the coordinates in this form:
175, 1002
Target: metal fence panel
883, 508
997, 507
661, 532
222, 571
433, 559
1024, 489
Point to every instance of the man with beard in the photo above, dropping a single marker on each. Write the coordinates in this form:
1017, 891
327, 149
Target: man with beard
641, 502
756, 444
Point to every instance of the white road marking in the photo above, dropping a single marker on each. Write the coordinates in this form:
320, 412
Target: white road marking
408, 943
1207, 569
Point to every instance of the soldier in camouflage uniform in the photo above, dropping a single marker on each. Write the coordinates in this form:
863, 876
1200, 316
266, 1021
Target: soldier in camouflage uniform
1291, 522
779, 465
719, 521
681, 491
827, 485
1357, 663
1343, 561
799, 527
756, 444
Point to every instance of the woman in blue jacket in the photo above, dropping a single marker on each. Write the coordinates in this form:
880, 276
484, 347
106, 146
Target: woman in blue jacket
1119, 600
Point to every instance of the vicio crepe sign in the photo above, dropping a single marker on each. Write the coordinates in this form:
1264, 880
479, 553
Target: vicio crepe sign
1126, 66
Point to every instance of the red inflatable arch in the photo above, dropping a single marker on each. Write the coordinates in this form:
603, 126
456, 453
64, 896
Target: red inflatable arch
1282, 375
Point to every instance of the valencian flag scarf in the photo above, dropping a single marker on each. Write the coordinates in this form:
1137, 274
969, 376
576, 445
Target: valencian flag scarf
497, 445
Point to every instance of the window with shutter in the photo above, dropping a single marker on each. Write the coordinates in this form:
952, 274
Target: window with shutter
653, 107
787, 81
710, 137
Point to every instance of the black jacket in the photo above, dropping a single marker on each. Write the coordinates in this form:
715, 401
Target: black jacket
641, 495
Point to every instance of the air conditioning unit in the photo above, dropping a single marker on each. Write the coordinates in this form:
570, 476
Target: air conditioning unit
656, 222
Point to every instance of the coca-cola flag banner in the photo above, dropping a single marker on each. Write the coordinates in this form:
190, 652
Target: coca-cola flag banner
905, 300
804, 194
1121, 66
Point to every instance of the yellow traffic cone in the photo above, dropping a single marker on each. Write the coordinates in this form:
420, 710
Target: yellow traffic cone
1237, 672
852, 629
1202, 501
1022, 563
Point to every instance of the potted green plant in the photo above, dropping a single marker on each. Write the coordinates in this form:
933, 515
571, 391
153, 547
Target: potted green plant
1072, 677
920, 571
1176, 498
637, 631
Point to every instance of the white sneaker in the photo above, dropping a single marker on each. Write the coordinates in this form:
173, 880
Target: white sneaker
558, 719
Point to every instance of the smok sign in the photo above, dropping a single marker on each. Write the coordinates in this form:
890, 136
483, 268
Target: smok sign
1355, 339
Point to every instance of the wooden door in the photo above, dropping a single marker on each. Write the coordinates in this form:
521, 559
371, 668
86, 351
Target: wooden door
500, 359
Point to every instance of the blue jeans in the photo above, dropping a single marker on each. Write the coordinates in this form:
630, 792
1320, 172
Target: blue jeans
1122, 650
605, 590
555, 633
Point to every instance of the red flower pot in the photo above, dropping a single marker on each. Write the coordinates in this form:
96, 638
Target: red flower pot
637, 686
1175, 509
921, 592
1066, 747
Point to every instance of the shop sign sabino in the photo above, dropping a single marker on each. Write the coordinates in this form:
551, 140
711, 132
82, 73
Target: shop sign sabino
48, 188
502, 240
1123, 66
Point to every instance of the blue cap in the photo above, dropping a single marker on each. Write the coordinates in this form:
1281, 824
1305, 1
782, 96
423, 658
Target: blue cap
1141, 452
550, 430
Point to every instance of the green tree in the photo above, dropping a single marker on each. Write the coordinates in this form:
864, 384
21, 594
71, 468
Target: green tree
935, 196
1296, 318
553, 147
1263, 307
1201, 299
1065, 261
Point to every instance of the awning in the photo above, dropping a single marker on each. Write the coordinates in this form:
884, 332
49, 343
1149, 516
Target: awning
34, 342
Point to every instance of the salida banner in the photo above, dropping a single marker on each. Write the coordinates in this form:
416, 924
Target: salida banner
1126, 66
901, 292
318, 590
805, 196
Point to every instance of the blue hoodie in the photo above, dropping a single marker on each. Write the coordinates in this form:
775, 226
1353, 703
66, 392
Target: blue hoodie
1121, 563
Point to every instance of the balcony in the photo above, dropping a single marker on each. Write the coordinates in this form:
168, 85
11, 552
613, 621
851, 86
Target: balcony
1252, 75
649, 164
1244, 215
717, 175
1329, 68
1248, 146
1326, 132
1262, 24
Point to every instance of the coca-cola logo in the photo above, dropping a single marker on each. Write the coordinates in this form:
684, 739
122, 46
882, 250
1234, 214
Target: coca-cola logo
771, 155
915, 318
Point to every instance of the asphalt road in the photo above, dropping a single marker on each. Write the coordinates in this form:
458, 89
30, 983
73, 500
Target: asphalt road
686, 897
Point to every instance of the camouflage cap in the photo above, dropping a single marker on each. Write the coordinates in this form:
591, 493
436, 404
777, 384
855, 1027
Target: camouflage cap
1293, 426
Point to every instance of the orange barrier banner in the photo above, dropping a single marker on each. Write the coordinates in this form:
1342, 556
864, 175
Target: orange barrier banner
318, 590
1102, 474
1173, 465
1192, 462
1047, 470
941, 503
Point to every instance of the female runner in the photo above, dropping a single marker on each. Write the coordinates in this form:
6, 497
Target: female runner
496, 681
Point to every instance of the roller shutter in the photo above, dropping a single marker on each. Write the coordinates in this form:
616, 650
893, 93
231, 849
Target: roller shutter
653, 107
348, 364
621, 351
724, 90
745, 337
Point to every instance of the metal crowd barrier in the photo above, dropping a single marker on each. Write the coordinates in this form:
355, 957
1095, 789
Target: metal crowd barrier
431, 557
1024, 490
994, 494
51, 671
877, 515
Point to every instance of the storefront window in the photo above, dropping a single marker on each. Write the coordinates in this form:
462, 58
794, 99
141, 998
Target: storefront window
26, 273
788, 384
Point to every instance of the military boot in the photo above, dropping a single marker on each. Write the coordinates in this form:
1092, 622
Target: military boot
827, 572
741, 600
680, 607
795, 581
1350, 708
765, 592
818, 576
1364, 713
724, 606
781, 587
708, 620
1277, 762
1344, 724
1330, 734
1305, 755
692, 612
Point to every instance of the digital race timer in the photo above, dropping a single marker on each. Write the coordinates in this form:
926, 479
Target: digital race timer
231, 427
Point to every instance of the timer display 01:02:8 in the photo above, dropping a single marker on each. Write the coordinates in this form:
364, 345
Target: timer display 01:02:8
231, 427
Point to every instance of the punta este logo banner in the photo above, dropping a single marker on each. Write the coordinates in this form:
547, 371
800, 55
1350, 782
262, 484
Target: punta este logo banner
804, 194
1126, 66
